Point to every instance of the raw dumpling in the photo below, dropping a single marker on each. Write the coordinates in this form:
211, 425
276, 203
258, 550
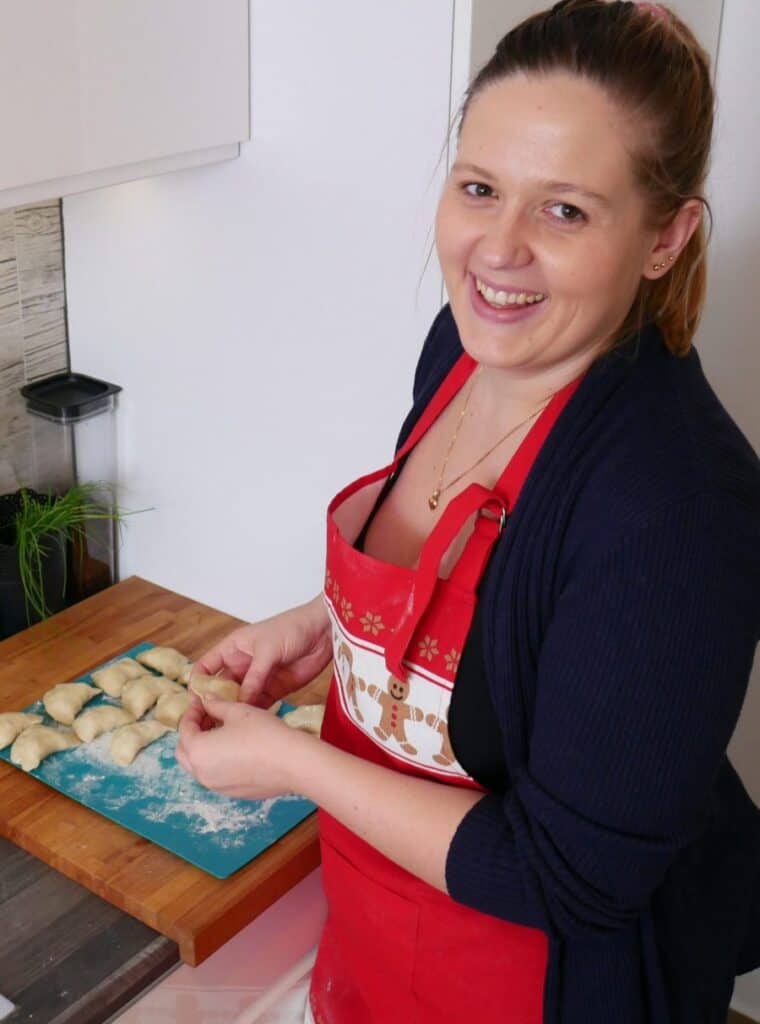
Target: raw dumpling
112, 678
64, 701
95, 721
13, 723
139, 695
184, 676
129, 740
166, 660
171, 707
214, 686
34, 745
308, 718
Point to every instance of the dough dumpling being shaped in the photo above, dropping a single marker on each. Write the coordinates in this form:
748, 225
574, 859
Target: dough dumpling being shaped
64, 701
37, 742
184, 676
95, 721
166, 660
13, 723
171, 707
139, 695
129, 740
214, 686
112, 678
308, 718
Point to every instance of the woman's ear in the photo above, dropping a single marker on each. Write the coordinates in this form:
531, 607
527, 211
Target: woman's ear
673, 238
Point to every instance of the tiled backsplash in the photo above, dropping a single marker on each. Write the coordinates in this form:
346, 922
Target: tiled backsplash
33, 337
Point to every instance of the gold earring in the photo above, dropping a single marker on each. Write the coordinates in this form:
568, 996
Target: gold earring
659, 266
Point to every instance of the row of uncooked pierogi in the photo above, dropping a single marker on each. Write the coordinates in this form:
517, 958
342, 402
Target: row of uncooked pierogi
139, 691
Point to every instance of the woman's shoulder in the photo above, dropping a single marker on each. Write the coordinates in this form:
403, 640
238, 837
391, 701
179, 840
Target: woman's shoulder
651, 434
672, 433
726, 459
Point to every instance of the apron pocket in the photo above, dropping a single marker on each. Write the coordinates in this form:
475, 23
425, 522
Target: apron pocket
373, 933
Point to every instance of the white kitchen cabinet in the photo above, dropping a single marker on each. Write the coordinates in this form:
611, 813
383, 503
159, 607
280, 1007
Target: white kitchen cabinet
93, 93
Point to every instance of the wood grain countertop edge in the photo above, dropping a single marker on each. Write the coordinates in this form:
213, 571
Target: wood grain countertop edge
168, 618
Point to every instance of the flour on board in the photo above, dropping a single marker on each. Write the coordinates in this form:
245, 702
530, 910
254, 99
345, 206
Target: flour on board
157, 789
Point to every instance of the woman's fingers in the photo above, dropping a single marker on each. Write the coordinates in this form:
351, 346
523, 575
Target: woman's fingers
231, 655
194, 722
196, 718
182, 760
188, 728
211, 662
255, 679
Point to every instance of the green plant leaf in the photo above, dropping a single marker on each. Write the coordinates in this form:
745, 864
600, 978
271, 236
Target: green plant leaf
54, 521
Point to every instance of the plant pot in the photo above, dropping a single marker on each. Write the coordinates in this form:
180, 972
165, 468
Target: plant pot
87, 573
14, 615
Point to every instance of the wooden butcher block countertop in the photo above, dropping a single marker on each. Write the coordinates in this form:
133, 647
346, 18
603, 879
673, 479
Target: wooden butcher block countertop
198, 912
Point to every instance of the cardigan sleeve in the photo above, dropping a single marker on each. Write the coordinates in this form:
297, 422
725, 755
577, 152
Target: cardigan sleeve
641, 677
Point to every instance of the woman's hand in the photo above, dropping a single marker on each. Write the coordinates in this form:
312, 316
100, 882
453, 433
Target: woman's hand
238, 750
248, 753
273, 657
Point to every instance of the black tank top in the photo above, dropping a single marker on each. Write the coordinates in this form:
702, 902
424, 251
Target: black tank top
473, 729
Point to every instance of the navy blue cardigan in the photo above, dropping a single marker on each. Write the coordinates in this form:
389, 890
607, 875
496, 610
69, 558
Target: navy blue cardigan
620, 615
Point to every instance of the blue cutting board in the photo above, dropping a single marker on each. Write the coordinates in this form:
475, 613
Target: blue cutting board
158, 800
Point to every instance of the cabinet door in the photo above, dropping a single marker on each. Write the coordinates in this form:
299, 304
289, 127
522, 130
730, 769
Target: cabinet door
87, 85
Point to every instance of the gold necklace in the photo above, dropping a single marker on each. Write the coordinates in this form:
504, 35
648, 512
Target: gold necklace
433, 499
440, 488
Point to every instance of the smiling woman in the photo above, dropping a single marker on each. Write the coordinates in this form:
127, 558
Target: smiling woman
530, 232
543, 613
516, 230
649, 128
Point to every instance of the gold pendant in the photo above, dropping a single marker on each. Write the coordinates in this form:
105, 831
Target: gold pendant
433, 500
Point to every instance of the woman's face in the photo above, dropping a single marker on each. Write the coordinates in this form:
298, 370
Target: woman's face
502, 223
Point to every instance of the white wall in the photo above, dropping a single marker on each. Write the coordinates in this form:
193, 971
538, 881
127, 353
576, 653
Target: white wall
234, 302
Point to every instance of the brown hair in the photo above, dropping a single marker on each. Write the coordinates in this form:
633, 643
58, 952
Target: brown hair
654, 67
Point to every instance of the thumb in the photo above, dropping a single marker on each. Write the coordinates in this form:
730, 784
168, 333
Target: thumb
256, 677
216, 708
210, 663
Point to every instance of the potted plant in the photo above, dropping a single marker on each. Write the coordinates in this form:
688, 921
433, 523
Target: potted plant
42, 536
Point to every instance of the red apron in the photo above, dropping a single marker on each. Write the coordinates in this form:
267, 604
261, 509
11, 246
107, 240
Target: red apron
394, 948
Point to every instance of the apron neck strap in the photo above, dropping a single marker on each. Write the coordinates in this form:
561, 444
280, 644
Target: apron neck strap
456, 377
491, 508
473, 499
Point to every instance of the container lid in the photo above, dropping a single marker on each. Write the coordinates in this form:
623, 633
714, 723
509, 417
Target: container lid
68, 397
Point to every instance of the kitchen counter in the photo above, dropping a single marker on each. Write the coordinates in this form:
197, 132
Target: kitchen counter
66, 956
192, 908
73, 956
